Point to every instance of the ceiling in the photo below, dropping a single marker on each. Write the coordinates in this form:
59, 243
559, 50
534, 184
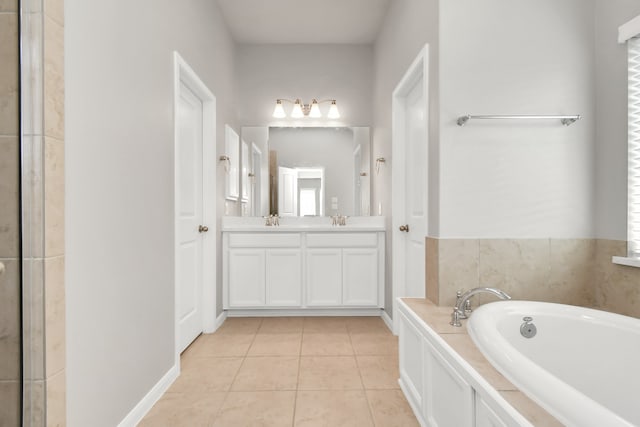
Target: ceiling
304, 21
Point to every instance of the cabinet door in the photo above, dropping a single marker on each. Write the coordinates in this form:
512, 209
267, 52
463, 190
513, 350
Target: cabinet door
448, 397
246, 278
485, 416
324, 277
411, 362
284, 277
360, 277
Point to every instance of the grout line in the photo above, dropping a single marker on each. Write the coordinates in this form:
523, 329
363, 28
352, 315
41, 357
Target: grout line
364, 390
295, 397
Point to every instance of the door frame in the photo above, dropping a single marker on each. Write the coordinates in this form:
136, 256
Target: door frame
184, 74
419, 69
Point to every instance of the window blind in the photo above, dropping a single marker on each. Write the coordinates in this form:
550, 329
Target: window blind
633, 183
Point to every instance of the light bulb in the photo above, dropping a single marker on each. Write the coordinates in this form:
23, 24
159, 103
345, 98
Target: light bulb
333, 111
297, 113
315, 110
278, 112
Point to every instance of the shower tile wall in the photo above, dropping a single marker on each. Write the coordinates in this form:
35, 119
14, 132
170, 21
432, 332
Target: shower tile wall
10, 330
43, 218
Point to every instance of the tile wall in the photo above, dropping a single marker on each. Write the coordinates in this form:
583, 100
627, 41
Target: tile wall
42, 29
10, 301
568, 271
616, 287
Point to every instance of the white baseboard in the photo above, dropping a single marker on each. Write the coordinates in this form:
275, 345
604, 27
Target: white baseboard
219, 321
388, 321
262, 312
144, 406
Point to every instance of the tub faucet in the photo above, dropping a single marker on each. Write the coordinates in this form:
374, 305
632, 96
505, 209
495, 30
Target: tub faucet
461, 302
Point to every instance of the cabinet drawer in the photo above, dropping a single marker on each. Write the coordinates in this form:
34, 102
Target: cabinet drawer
341, 240
264, 240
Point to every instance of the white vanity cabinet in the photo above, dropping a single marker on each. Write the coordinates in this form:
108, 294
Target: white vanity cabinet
344, 269
262, 270
303, 270
442, 390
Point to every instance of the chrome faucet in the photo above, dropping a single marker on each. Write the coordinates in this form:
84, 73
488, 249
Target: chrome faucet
339, 220
462, 301
271, 220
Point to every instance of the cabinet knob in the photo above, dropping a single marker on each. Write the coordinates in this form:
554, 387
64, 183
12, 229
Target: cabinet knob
203, 229
404, 228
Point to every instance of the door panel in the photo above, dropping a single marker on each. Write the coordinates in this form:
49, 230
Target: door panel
246, 277
189, 203
284, 277
324, 277
287, 192
416, 190
360, 277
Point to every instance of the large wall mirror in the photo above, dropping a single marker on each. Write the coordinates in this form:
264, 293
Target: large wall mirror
308, 171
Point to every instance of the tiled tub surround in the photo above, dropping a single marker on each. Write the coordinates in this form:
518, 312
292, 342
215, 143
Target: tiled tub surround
552, 270
616, 287
567, 271
459, 343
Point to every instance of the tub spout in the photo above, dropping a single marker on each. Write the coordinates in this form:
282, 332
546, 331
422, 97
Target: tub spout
459, 309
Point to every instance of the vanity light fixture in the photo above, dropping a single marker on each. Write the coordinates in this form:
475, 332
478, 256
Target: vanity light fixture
301, 109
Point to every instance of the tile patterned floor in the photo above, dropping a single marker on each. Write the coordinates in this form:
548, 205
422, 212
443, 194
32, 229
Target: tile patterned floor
294, 371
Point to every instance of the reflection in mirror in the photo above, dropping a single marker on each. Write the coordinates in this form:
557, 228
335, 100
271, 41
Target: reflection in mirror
310, 171
232, 150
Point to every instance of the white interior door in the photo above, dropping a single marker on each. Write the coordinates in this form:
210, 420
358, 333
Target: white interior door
190, 216
415, 184
410, 181
287, 192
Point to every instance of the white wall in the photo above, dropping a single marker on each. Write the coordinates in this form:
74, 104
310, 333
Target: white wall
119, 190
510, 179
611, 130
268, 72
408, 26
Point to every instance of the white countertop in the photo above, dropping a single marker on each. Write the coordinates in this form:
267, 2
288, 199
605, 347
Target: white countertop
305, 224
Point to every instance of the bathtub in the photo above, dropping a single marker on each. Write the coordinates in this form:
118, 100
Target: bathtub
582, 365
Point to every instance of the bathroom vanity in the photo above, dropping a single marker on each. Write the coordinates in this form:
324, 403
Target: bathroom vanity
303, 266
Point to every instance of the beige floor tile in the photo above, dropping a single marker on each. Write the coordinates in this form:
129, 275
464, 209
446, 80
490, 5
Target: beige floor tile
323, 324
332, 408
240, 325
184, 409
271, 325
283, 344
220, 345
206, 374
390, 409
329, 373
267, 373
379, 372
374, 344
257, 408
326, 344
367, 325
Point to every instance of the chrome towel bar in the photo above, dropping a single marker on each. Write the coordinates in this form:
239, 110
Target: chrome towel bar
565, 120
